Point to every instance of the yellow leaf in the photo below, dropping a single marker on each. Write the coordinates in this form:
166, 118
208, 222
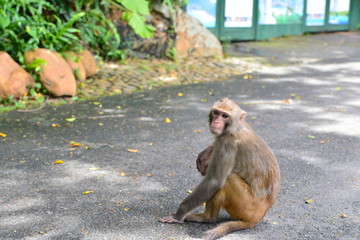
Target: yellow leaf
149, 175
246, 76
343, 215
75, 144
93, 168
197, 131
2, 135
203, 100
55, 125
133, 150
126, 209
151, 144
87, 192
189, 191
180, 94
167, 120
70, 119
100, 113
117, 90
58, 162
122, 174
310, 200
101, 124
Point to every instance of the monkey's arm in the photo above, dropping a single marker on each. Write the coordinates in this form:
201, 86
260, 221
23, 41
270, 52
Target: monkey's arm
220, 167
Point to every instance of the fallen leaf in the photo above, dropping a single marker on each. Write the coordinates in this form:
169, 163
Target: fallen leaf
298, 97
245, 76
55, 125
126, 209
100, 113
309, 200
133, 150
167, 120
197, 131
101, 124
75, 144
312, 137
293, 94
122, 174
324, 141
87, 192
203, 100
180, 94
2, 135
343, 215
338, 88
287, 101
96, 103
253, 117
70, 119
150, 144
58, 162
189, 191
93, 168
149, 175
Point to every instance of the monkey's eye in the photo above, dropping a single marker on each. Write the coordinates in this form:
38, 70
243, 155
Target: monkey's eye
225, 115
216, 112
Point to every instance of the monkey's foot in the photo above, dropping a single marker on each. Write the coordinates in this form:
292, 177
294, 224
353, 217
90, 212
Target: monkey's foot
169, 219
212, 235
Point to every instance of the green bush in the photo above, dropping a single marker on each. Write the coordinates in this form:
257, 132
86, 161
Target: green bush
67, 25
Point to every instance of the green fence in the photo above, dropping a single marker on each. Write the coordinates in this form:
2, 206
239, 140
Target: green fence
264, 19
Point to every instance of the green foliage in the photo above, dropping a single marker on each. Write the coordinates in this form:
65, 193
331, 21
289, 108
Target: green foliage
134, 13
68, 25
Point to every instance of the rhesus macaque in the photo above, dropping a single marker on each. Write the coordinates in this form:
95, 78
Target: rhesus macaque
242, 175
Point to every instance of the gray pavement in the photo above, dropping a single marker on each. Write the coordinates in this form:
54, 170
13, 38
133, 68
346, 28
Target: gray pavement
316, 138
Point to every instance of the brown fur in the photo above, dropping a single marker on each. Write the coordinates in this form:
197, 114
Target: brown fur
242, 176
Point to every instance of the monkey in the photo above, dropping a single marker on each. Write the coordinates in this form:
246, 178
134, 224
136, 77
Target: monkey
242, 175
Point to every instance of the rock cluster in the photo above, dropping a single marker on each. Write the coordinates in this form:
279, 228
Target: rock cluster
57, 74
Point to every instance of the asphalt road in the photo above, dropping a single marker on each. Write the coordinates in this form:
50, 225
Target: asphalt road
316, 138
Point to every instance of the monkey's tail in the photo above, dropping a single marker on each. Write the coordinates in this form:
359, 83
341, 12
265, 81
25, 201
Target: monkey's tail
226, 228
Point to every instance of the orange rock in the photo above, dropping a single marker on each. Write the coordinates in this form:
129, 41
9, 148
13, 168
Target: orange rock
89, 63
13, 78
193, 39
74, 61
56, 75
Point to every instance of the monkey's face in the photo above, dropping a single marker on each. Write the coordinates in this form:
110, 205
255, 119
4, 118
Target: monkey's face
219, 121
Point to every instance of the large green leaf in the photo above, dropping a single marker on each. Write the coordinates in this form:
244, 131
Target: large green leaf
137, 22
137, 6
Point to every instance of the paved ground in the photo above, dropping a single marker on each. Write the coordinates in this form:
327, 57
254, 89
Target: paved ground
315, 138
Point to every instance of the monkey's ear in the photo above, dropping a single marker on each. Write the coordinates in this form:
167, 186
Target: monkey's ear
242, 118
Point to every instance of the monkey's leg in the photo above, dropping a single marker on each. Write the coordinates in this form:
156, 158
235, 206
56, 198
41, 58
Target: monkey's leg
212, 209
241, 205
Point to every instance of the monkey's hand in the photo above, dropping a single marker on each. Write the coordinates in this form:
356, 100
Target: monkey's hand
169, 219
202, 160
